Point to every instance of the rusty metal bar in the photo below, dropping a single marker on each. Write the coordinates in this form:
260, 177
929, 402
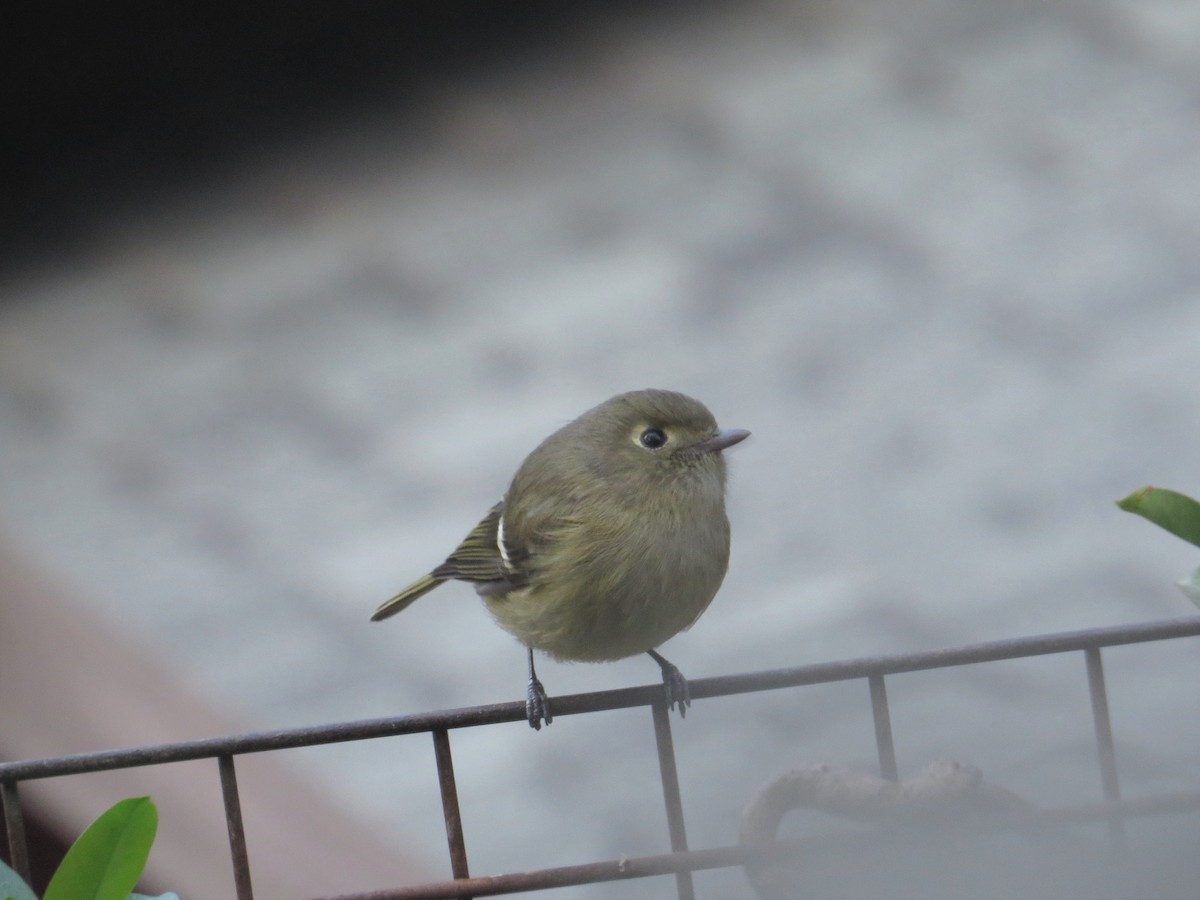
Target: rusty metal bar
450, 810
1105, 749
725, 857
621, 869
263, 741
681, 862
991, 651
672, 796
14, 823
883, 727
574, 704
1162, 805
237, 833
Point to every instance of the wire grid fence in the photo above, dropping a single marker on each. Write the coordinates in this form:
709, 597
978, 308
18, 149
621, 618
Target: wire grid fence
681, 861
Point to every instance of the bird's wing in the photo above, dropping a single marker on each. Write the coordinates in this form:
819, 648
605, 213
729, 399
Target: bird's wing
484, 556
479, 559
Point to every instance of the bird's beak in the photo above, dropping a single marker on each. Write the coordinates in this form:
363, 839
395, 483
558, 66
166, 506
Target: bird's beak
722, 440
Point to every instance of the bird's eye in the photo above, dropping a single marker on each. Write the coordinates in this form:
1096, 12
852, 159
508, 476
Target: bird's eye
652, 438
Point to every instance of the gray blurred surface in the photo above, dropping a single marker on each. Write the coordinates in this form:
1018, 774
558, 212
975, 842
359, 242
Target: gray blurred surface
940, 257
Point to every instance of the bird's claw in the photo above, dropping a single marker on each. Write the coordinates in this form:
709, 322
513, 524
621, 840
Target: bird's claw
537, 705
677, 688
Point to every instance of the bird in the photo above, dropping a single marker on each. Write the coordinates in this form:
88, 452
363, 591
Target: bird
611, 538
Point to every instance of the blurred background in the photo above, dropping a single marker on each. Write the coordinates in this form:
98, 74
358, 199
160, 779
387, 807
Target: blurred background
287, 295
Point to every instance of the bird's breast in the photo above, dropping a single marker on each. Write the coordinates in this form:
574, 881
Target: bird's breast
600, 591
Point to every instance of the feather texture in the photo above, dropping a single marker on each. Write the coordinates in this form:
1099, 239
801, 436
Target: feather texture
611, 538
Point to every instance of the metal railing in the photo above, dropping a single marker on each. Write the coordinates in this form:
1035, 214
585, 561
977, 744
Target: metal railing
681, 861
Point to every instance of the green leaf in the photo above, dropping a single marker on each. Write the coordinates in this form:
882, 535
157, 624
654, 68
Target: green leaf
1177, 513
12, 887
107, 860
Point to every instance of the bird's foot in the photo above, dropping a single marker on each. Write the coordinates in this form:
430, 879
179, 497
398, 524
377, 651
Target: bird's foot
677, 687
537, 705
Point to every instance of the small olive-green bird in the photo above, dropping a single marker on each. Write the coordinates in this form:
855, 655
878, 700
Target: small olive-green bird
611, 538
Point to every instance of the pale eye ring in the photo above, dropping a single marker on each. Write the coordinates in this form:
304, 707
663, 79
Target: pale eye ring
652, 438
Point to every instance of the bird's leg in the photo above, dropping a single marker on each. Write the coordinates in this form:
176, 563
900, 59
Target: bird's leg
537, 704
676, 685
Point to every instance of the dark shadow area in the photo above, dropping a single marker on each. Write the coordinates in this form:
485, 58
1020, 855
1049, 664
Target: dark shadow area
108, 106
46, 849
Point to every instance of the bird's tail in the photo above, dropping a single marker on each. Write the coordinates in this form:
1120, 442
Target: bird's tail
418, 588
